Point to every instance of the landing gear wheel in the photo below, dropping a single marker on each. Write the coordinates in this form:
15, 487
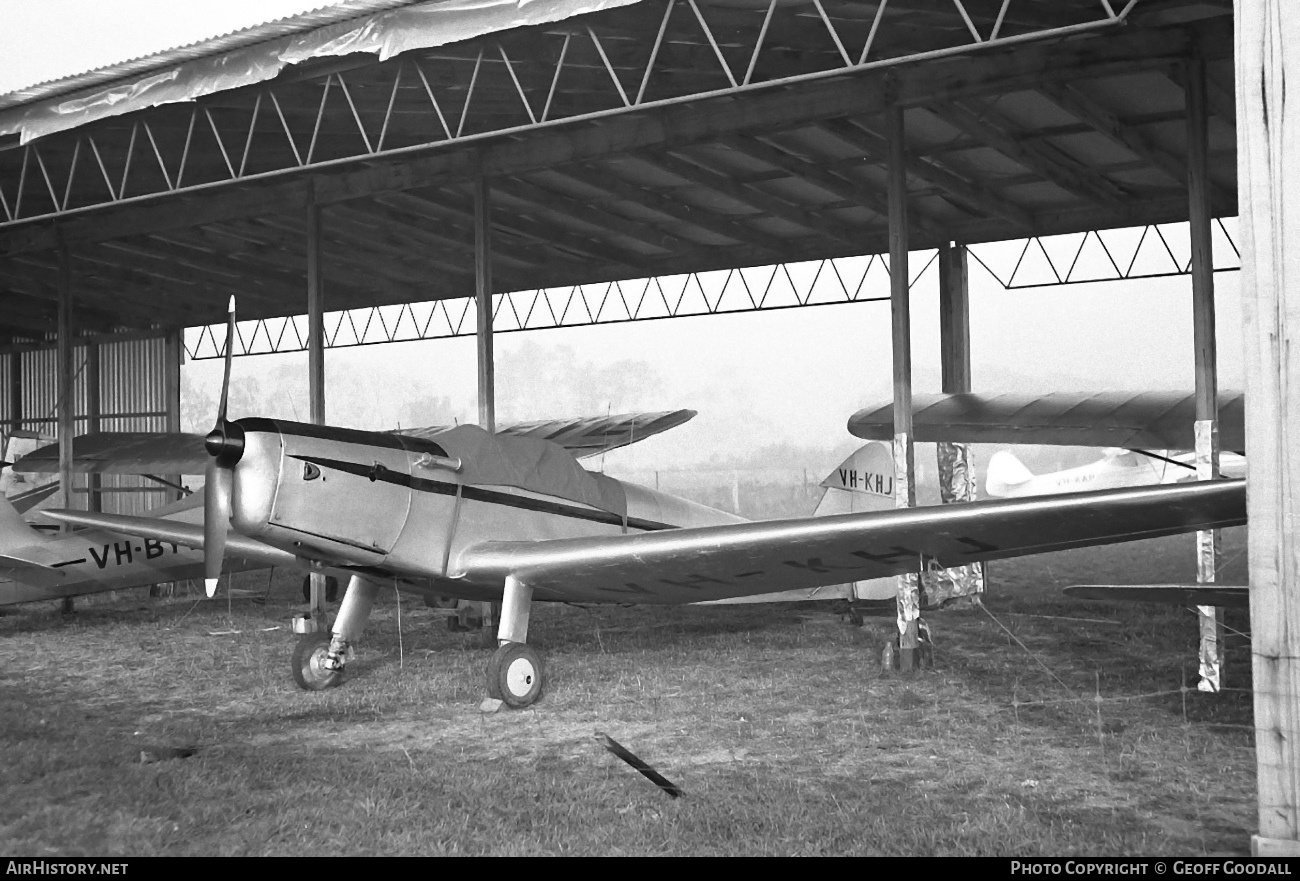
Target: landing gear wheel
514, 675
309, 669
331, 589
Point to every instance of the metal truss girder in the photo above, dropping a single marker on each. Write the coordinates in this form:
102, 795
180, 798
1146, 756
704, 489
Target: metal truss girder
1152, 251
233, 138
764, 288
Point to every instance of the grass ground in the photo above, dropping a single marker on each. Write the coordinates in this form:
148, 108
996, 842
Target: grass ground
143, 727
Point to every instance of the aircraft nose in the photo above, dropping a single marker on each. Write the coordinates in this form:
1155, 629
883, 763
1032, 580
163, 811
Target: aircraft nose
225, 443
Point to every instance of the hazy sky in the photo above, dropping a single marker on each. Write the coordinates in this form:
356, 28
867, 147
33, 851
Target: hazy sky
788, 376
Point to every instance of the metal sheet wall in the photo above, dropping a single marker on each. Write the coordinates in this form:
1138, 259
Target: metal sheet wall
132, 397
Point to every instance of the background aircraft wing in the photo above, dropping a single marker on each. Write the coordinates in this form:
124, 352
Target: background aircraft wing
123, 452
588, 436
178, 532
1132, 420
707, 563
1180, 594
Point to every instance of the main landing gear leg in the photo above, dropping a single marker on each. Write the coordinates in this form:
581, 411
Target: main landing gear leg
319, 658
514, 674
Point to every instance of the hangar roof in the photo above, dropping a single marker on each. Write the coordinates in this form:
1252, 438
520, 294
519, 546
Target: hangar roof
619, 140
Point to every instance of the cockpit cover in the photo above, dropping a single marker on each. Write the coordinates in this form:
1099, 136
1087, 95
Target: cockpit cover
530, 464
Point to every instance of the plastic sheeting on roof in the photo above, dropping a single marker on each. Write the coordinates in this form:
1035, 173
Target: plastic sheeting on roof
385, 34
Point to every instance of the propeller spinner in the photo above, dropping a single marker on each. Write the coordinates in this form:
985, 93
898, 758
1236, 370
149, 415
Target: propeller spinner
225, 444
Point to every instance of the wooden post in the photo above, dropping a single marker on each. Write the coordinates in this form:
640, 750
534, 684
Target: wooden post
316, 371
315, 318
66, 405
94, 483
173, 357
483, 302
909, 600
1269, 185
15, 392
1206, 362
955, 461
488, 613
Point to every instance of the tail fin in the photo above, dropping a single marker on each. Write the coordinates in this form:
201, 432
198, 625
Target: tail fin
1005, 473
13, 531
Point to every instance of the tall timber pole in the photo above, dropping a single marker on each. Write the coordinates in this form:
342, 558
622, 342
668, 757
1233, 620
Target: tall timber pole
66, 406
316, 372
955, 461
483, 302
1206, 362
1268, 175
909, 601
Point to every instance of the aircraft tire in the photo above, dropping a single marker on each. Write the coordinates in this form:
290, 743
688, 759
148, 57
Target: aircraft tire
308, 656
331, 589
514, 675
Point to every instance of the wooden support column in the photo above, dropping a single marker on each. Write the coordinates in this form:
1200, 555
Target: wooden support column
1206, 362
488, 614
316, 372
1269, 186
909, 601
66, 405
483, 302
94, 483
15, 392
955, 461
173, 357
315, 318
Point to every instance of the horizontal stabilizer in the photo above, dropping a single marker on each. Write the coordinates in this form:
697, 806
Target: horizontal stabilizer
35, 574
25, 501
123, 452
587, 436
1132, 420
1178, 594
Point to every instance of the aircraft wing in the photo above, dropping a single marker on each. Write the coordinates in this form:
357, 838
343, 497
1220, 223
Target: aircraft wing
1132, 420
174, 532
588, 436
123, 452
708, 563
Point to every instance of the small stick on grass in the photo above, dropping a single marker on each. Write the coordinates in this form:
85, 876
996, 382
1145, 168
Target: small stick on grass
650, 773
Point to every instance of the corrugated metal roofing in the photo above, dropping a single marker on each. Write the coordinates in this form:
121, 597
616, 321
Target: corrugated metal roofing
306, 21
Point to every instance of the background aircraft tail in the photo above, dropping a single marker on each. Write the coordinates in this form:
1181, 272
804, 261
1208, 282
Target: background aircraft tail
1005, 473
13, 531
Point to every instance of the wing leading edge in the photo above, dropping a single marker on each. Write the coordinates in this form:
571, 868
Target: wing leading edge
690, 565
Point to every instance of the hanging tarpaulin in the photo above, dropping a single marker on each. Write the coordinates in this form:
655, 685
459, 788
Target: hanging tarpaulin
384, 34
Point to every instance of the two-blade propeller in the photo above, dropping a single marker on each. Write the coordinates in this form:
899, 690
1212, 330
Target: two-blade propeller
225, 444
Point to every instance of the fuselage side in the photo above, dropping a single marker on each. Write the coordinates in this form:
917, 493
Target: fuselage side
93, 560
406, 506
